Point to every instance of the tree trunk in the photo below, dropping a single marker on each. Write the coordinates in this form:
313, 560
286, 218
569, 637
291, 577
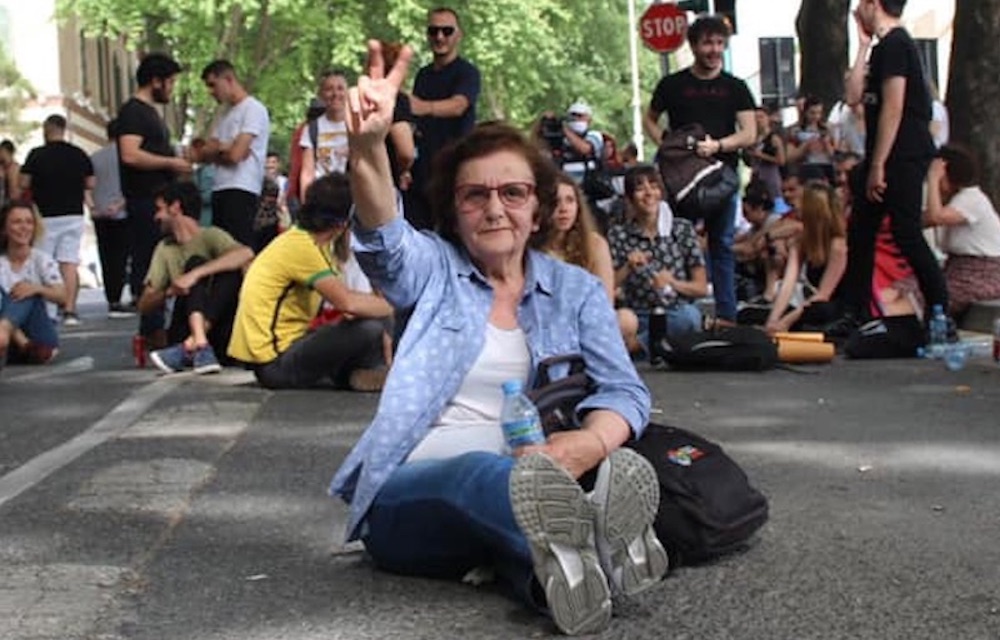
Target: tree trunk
973, 88
822, 29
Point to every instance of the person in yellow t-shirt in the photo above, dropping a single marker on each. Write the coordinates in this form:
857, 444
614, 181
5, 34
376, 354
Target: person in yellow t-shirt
282, 292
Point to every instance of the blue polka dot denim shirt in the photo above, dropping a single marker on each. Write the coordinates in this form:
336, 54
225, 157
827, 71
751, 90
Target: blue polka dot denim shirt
564, 310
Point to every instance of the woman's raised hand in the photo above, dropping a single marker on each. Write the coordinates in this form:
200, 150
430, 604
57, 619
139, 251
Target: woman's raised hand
370, 104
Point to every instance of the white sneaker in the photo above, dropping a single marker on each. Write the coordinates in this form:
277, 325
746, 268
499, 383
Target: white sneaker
626, 498
558, 520
70, 319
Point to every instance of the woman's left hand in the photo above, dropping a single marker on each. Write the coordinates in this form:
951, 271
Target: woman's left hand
663, 278
24, 290
577, 451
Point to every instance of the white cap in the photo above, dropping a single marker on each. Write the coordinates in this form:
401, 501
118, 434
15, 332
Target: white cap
581, 108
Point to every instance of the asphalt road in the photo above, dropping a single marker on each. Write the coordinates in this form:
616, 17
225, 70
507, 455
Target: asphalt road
141, 507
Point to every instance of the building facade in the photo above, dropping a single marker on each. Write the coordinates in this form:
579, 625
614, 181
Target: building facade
82, 78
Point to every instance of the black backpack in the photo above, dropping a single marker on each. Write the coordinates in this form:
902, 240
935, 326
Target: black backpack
707, 506
722, 349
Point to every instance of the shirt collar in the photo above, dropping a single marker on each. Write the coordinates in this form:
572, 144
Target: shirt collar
538, 271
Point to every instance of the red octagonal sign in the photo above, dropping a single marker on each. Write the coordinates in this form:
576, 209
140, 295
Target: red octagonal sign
663, 27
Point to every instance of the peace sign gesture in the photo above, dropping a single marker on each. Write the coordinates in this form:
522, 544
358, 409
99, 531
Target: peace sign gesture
371, 102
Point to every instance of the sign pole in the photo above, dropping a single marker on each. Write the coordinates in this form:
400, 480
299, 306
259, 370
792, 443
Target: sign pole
633, 50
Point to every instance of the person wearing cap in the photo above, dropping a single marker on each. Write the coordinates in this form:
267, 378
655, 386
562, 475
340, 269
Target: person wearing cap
147, 164
200, 268
584, 145
443, 106
282, 293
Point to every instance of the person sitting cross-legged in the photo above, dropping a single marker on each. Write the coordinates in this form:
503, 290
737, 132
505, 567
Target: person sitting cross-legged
201, 268
283, 292
29, 279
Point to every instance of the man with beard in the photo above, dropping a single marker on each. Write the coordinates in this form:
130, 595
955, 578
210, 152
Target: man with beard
443, 104
237, 148
720, 102
202, 269
147, 164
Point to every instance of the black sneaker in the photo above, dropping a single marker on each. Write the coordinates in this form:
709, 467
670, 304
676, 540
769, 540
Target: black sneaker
117, 310
842, 327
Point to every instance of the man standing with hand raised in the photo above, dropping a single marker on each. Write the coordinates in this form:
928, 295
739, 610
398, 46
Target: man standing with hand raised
898, 151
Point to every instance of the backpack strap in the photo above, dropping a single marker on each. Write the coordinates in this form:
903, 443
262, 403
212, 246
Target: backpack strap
314, 137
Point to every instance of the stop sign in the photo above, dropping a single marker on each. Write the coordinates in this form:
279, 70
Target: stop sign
663, 27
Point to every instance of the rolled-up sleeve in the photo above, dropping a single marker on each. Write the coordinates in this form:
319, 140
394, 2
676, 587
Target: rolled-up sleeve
397, 259
619, 387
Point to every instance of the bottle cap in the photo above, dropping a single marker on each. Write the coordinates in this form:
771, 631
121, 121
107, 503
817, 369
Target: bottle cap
512, 387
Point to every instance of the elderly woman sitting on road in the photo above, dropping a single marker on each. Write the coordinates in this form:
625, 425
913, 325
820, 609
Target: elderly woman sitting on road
433, 489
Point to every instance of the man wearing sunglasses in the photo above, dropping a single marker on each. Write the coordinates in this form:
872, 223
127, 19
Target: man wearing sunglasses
443, 104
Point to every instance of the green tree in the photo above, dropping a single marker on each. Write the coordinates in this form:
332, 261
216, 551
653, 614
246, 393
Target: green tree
15, 91
534, 55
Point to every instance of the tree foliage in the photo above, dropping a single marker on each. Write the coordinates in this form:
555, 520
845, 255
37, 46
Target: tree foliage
534, 55
15, 91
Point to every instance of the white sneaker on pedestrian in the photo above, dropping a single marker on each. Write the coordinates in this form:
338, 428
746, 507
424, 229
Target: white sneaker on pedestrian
70, 319
626, 498
558, 521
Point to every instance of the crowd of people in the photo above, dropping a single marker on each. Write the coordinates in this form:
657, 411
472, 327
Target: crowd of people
407, 244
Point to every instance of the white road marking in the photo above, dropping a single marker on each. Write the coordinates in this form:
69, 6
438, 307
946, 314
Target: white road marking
116, 421
76, 365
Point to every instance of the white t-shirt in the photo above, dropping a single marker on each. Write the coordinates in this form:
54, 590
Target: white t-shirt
471, 421
39, 268
246, 116
331, 146
939, 114
981, 236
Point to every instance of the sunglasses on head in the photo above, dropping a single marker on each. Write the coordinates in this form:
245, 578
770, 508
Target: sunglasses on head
446, 31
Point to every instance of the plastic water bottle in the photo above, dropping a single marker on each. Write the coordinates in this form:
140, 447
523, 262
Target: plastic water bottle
938, 332
519, 417
956, 355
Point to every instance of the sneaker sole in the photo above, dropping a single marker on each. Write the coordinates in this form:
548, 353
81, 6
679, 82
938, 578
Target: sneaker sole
160, 364
626, 500
557, 519
215, 367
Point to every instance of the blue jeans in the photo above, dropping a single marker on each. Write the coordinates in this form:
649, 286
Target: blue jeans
31, 317
682, 319
721, 261
443, 518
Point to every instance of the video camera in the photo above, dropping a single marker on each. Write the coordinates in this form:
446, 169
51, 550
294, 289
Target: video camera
551, 130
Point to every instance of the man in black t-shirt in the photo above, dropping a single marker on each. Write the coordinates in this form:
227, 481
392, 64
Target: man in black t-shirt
61, 178
898, 151
722, 104
147, 163
443, 106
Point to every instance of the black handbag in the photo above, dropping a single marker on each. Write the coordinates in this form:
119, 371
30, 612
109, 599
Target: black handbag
556, 401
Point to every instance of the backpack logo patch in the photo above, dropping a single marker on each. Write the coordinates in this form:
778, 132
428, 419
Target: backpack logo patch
685, 455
